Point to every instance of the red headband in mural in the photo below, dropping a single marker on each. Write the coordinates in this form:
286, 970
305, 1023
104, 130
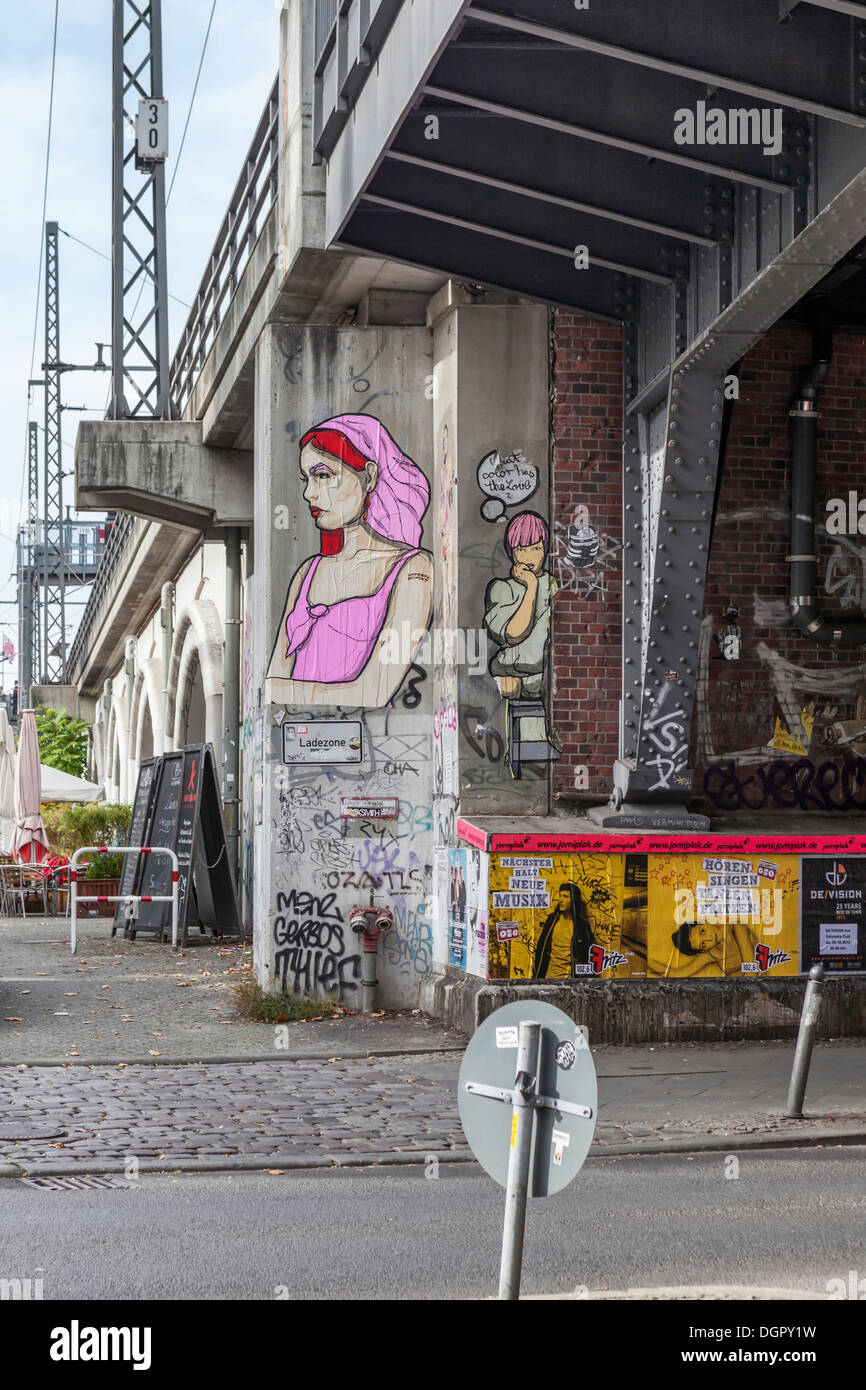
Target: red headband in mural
337, 445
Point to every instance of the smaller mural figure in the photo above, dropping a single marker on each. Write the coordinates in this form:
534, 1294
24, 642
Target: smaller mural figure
517, 616
371, 578
564, 938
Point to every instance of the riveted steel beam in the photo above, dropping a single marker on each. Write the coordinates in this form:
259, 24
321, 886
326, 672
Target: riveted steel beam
474, 255
804, 65
623, 186
598, 133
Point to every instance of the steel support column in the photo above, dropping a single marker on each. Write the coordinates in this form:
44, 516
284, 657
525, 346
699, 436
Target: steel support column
54, 564
139, 330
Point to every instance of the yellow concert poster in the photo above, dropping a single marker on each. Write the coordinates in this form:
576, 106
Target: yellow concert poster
722, 915
562, 916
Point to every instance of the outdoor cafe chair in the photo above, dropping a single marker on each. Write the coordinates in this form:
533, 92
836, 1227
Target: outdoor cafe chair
22, 884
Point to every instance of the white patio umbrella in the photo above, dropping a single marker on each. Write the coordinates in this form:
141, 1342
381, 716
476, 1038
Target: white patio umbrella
7, 782
29, 841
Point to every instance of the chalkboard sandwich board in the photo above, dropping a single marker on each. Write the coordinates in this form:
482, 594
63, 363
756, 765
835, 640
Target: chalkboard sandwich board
141, 808
184, 815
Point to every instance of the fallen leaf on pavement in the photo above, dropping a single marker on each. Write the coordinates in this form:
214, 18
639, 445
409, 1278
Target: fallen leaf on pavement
151, 1053
275, 1172
8, 1019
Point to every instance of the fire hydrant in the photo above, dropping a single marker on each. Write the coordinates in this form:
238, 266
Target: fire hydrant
370, 922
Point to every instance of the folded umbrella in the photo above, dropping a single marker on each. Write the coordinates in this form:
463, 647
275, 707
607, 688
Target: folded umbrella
29, 842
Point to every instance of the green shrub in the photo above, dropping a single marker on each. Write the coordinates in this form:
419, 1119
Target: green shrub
71, 827
253, 1003
62, 741
105, 866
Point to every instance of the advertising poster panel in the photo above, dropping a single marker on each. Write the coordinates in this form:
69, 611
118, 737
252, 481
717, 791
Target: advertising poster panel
457, 908
563, 916
716, 915
476, 912
832, 898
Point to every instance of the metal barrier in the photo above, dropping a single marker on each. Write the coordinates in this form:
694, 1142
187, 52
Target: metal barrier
75, 898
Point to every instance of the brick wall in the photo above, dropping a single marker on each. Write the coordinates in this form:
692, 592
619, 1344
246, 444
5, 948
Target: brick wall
587, 472
739, 702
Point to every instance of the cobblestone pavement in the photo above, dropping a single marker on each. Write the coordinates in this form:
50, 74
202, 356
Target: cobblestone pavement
130, 1050
118, 1000
362, 1106
330, 1108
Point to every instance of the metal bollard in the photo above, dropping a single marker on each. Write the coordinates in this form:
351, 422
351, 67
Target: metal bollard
805, 1042
526, 1088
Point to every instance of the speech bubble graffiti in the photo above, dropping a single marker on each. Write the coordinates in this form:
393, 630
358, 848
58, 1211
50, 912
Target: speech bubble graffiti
506, 481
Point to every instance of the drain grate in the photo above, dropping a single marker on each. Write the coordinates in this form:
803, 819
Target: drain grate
23, 1130
74, 1184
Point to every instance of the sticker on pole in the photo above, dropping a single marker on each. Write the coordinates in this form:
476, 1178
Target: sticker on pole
565, 1096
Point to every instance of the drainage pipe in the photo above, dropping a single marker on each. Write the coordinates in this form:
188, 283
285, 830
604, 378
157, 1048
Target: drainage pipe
232, 694
836, 632
166, 619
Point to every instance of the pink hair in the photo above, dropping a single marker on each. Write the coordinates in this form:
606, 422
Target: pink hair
402, 494
526, 529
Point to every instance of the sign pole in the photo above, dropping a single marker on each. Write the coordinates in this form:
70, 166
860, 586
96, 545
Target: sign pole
517, 1183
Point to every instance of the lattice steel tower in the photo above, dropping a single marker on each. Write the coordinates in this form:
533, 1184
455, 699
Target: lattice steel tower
54, 559
139, 337
29, 624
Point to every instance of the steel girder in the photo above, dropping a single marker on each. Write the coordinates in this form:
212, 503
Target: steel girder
743, 48
29, 625
53, 625
538, 126
139, 330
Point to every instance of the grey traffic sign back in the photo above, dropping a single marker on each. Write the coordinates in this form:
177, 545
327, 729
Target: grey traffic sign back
566, 1073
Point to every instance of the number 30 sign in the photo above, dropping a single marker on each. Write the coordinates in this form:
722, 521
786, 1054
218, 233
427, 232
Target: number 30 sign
151, 132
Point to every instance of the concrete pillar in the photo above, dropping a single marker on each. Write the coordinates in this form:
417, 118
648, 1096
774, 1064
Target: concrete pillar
495, 739
312, 865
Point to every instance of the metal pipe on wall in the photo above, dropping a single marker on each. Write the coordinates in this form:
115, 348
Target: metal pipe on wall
129, 659
232, 694
836, 632
166, 619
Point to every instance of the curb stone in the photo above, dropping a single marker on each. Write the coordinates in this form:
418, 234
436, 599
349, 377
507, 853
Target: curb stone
716, 1292
258, 1163
226, 1060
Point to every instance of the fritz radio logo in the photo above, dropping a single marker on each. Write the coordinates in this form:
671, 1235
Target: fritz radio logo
601, 960
764, 960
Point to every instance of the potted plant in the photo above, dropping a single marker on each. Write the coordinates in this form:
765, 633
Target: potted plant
102, 880
73, 827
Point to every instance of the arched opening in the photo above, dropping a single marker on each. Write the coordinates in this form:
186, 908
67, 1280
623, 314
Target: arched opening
146, 746
193, 714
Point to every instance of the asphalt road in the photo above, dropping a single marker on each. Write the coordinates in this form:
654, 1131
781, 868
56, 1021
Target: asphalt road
792, 1219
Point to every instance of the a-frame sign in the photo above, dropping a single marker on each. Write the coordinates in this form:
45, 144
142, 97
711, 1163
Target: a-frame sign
185, 815
141, 808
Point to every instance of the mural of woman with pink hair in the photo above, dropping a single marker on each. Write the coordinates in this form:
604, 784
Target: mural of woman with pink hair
371, 578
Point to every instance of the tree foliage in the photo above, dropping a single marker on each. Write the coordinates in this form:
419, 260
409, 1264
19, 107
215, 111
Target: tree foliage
71, 827
62, 741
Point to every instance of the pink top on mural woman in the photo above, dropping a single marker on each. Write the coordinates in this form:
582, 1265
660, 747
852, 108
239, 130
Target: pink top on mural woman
340, 640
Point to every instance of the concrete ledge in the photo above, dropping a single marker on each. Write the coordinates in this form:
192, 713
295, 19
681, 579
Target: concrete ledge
648, 1011
160, 469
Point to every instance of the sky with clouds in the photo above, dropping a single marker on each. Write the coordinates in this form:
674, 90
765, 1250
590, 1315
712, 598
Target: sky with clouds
239, 68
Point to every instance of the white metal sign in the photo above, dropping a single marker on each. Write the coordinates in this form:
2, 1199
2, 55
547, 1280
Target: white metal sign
369, 808
151, 132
